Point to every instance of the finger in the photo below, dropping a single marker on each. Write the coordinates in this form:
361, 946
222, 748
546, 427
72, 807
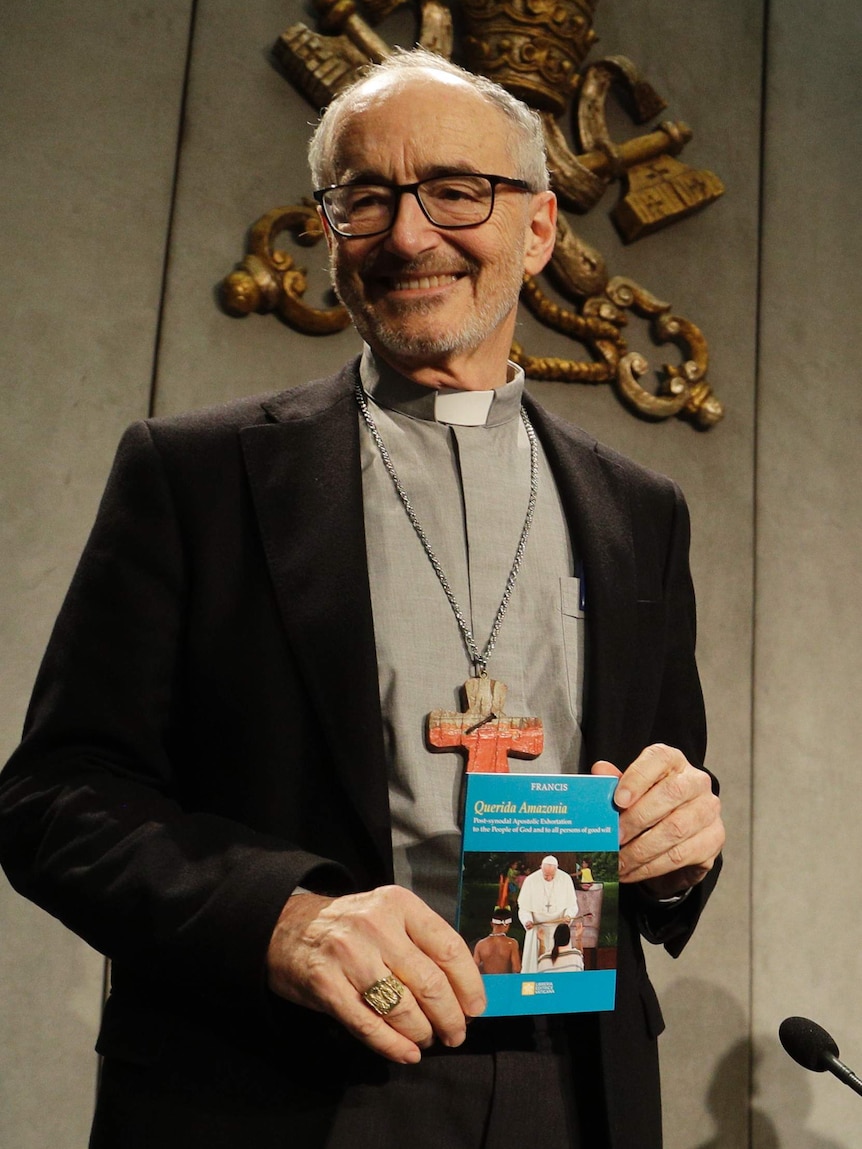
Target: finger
399, 1036
650, 766
670, 875
312, 946
402, 935
405, 1016
436, 1006
325, 953
422, 950
347, 1006
447, 954
689, 791
668, 848
674, 830
606, 769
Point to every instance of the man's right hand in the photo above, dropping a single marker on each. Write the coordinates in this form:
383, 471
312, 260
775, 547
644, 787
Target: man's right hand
326, 952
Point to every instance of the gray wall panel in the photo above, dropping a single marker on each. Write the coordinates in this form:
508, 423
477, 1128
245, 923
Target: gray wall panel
243, 154
808, 850
91, 94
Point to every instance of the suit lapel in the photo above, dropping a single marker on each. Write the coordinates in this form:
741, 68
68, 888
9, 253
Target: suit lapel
306, 485
595, 499
304, 473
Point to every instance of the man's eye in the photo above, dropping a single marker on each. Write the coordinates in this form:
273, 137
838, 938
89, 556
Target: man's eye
456, 192
368, 200
459, 193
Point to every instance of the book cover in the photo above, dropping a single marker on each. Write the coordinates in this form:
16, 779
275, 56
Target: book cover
539, 890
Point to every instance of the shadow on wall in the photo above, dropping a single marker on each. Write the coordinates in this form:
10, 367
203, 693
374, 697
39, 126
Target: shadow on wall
776, 1113
780, 1104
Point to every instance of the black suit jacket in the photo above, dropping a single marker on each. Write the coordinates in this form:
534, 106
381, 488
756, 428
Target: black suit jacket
205, 732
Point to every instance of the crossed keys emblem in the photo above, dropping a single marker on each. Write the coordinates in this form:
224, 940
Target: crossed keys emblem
537, 50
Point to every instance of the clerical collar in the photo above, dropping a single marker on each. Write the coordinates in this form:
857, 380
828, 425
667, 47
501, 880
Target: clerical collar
461, 408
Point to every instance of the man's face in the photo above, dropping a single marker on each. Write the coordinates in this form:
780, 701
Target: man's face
419, 294
549, 871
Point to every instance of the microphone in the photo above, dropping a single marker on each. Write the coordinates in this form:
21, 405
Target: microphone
813, 1048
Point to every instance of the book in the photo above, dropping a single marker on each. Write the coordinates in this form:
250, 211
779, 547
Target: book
564, 960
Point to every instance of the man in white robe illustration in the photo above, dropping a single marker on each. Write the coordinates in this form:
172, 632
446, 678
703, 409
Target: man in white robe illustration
547, 898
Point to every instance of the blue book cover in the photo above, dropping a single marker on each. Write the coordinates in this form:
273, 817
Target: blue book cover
539, 890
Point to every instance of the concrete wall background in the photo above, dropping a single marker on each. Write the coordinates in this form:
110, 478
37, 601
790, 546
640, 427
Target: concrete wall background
807, 847
91, 96
129, 199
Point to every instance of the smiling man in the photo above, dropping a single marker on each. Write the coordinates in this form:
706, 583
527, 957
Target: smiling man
438, 303
226, 782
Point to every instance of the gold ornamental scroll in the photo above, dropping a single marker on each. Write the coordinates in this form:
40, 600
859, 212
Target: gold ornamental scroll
538, 50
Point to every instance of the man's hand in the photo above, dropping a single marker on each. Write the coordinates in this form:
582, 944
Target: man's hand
326, 952
671, 830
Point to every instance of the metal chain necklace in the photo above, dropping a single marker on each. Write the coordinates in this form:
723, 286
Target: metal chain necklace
479, 659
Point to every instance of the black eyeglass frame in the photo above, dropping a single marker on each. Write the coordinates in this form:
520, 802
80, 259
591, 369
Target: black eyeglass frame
413, 189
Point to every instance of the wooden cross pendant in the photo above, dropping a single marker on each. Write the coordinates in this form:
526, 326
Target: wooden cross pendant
486, 734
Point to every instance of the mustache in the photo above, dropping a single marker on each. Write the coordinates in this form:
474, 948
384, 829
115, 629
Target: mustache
383, 265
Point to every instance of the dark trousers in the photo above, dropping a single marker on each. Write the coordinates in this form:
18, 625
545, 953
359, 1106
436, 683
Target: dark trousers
515, 1083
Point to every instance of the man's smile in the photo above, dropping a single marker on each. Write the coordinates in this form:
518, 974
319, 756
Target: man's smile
424, 282
383, 276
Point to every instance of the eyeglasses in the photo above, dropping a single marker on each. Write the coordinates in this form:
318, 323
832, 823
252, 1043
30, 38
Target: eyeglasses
464, 200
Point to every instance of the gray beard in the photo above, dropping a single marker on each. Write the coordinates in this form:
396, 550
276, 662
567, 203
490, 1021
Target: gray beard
427, 347
421, 348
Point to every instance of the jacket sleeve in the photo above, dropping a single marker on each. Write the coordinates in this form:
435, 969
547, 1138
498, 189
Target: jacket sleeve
680, 721
95, 826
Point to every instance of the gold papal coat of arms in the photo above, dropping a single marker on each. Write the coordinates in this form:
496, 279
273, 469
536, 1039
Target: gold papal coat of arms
537, 49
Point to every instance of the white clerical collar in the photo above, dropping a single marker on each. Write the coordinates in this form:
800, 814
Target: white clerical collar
459, 408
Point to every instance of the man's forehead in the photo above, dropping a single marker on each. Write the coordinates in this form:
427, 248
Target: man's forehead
382, 84
436, 121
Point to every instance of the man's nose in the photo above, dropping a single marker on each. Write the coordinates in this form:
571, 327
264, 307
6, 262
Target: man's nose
411, 230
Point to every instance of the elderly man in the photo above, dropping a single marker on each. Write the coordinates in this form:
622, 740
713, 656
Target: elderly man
224, 783
547, 898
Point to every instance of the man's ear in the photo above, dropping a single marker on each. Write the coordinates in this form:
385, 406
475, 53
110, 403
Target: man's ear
328, 234
541, 232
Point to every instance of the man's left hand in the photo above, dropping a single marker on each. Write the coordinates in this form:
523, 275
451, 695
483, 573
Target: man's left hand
671, 830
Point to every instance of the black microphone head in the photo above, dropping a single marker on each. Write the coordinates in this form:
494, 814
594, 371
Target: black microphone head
807, 1042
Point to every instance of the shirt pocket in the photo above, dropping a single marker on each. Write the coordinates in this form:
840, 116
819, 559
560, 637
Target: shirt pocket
573, 624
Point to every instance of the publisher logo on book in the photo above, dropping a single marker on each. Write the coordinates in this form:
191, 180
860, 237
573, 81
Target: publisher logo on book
531, 988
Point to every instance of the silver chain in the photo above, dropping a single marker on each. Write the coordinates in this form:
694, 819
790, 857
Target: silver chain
480, 660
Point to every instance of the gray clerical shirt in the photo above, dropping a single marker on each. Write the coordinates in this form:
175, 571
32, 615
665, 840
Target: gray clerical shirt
469, 486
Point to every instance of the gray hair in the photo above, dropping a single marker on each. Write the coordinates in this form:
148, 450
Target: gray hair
527, 141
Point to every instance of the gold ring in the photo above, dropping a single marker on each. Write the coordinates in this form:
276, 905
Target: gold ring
384, 995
